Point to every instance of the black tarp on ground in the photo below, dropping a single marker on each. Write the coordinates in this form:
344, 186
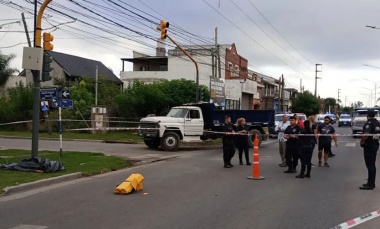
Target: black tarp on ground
34, 164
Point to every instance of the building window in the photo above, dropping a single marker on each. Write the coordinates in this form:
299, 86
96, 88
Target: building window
232, 104
236, 72
230, 67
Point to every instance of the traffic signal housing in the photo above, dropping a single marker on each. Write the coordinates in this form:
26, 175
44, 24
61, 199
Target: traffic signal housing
46, 69
163, 28
48, 38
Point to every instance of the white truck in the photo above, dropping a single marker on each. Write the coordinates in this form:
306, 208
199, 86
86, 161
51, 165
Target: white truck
198, 122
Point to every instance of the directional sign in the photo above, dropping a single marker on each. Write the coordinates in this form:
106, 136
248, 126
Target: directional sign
54, 102
48, 93
66, 93
67, 103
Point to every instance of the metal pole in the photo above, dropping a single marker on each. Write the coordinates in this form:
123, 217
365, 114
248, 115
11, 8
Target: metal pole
375, 94
283, 93
96, 86
316, 77
26, 30
60, 127
218, 50
301, 85
36, 96
196, 67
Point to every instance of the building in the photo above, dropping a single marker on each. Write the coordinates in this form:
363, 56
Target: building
12, 83
73, 68
229, 85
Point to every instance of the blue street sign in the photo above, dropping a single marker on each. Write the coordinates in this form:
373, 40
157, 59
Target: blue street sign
48, 93
64, 103
67, 103
54, 102
66, 93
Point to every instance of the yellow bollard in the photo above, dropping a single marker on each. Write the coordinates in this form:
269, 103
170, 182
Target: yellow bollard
132, 183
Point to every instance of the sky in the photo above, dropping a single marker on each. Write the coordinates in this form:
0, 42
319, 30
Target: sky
277, 37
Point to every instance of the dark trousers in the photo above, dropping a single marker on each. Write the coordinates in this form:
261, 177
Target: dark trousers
228, 152
292, 156
243, 146
306, 153
370, 153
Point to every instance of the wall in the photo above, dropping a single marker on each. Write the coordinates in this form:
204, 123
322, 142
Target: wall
232, 57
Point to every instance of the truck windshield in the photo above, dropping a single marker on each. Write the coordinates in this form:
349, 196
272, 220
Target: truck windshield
177, 113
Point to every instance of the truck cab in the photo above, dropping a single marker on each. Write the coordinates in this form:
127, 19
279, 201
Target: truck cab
182, 123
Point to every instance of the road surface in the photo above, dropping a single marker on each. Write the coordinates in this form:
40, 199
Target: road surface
195, 191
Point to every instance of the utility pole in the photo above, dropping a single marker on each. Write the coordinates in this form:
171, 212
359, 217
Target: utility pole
339, 95
316, 78
303, 89
96, 85
282, 93
301, 85
36, 77
26, 30
218, 53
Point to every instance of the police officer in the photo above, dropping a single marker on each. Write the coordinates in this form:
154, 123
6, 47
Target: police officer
228, 142
370, 145
292, 154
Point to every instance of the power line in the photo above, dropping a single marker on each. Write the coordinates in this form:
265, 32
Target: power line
268, 35
241, 30
278, 32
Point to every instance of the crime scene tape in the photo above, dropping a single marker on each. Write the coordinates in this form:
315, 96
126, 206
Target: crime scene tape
355, 222
19, 122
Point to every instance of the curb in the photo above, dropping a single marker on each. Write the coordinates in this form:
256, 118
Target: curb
41, 183
51, 139
120, 142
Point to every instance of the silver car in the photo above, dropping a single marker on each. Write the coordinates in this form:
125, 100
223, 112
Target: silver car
360, 118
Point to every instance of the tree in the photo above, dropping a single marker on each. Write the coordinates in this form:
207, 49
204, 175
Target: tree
5, 70
306, 103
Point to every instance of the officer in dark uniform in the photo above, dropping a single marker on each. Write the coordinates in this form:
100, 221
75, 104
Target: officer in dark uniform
228, 142
370, 145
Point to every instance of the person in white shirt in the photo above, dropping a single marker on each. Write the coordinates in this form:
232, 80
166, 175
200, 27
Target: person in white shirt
280, 128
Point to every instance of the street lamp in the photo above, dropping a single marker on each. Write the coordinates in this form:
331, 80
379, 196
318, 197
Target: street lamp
371, 27
374, 89
369, 98
370, 95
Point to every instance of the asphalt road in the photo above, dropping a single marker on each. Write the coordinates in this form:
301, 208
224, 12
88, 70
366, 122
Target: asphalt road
195, 191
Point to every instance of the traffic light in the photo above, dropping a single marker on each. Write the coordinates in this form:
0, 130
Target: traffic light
201, 94
163, 28
48, 38
46, 69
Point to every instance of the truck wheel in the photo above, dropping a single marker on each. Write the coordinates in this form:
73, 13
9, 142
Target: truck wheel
152, 144
170, 141
252, 137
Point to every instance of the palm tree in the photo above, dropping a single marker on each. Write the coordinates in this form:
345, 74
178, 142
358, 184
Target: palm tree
5, 70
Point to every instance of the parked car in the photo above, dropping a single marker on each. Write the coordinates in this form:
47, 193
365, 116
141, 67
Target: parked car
319, 118
344, 120
360, 118
333, 118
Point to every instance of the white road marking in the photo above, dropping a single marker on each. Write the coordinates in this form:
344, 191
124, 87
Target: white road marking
351, 144
29, 227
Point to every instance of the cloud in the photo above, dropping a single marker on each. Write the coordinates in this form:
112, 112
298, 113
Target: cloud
331, 33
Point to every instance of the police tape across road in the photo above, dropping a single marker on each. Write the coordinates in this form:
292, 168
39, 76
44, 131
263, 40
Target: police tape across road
138, 128
206, 131
355, 222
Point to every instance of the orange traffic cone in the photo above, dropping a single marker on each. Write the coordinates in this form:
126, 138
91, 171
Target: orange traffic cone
256, 163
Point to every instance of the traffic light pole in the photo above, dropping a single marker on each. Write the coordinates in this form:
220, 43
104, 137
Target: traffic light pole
36, 79
196, 67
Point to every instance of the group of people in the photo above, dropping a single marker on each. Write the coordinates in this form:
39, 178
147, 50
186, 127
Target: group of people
298, 139
235, 137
